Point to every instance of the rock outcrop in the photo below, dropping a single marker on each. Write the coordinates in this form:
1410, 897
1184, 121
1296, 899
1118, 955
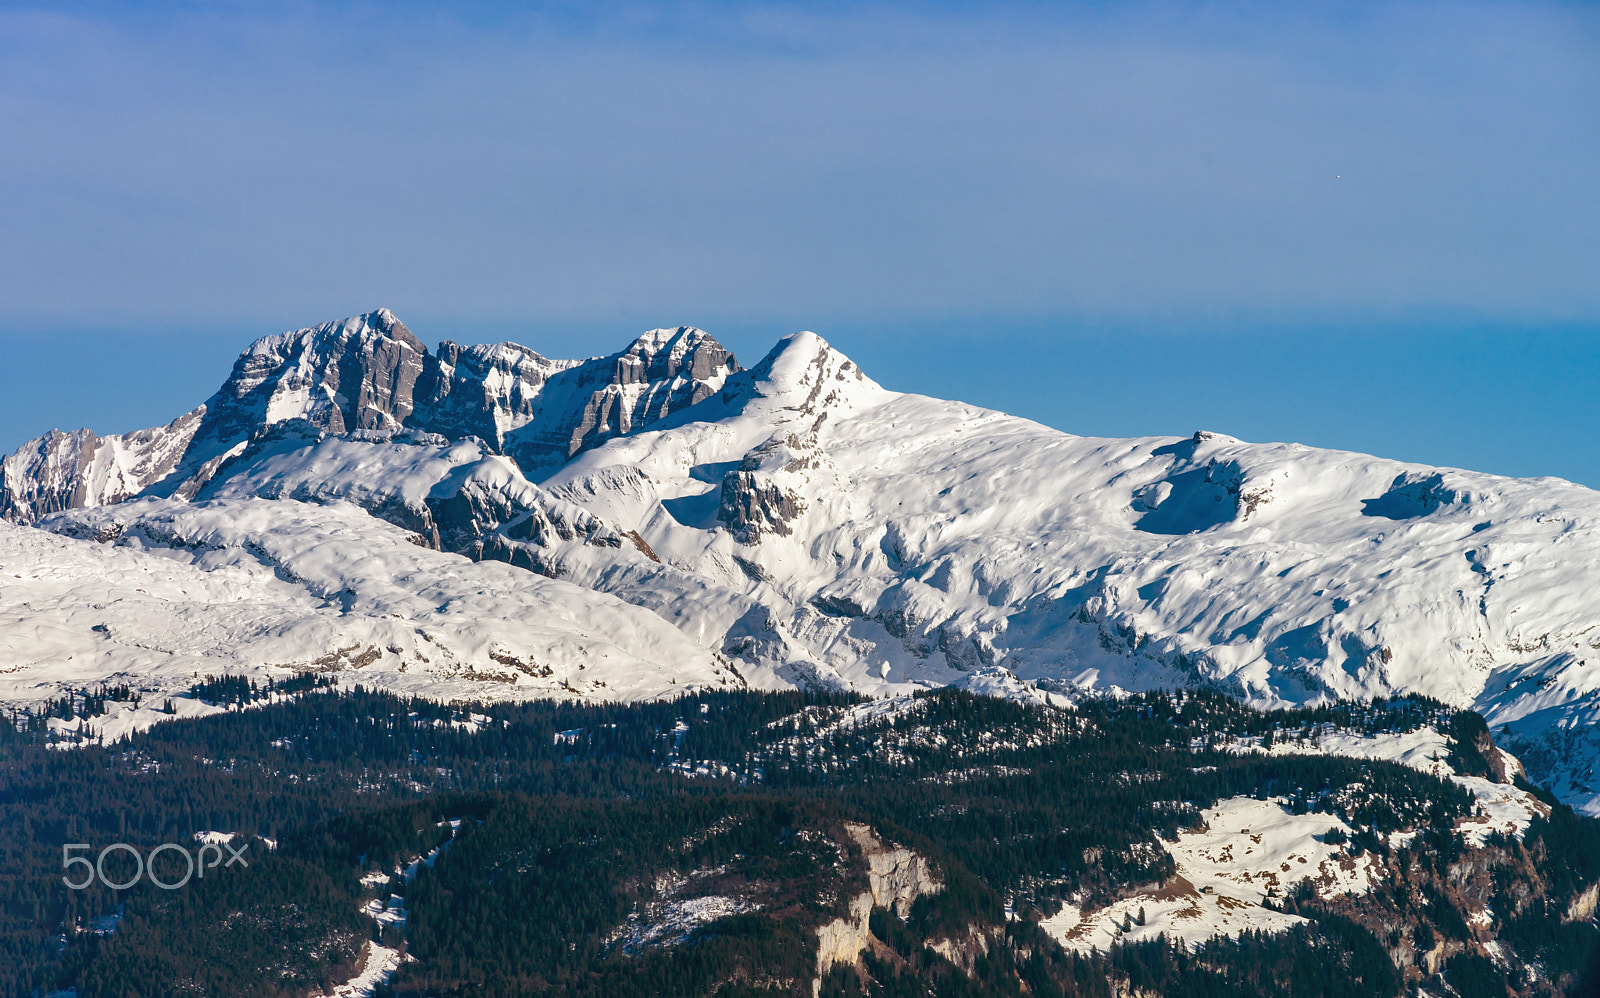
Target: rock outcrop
659, 374
896, 877
355, 374
485, 391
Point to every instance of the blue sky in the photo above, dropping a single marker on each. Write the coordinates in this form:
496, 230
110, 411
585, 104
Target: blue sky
1370, 226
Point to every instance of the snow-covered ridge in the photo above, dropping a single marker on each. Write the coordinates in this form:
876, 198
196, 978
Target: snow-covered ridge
812, 528
370, 374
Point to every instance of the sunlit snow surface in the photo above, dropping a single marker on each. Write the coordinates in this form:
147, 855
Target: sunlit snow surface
178, 590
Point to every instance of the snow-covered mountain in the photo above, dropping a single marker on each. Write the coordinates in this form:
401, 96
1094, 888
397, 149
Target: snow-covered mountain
803, 525
368, 377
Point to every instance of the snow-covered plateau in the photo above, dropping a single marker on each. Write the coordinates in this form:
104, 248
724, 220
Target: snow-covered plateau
484, 522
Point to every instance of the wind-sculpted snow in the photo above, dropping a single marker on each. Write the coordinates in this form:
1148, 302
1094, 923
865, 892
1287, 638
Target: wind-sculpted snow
160, 591
817, 529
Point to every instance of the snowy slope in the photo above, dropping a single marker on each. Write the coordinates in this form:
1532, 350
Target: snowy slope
816, 528
886, 538
972, 537
159, 591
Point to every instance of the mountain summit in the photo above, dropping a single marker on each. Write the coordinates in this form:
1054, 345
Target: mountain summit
369, 374
795, 524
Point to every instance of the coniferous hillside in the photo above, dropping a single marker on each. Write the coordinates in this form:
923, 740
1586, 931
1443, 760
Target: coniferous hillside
792, 844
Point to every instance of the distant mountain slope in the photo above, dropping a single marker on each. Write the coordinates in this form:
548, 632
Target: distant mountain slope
817, 529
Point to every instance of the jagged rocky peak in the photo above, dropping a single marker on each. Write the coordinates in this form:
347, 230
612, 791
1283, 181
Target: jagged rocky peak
61, 471
660, 373
46, 475
564, 406
355, 374
684, 352
485, 391
369, 375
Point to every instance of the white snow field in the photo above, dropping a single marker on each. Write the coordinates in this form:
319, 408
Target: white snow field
173, 590
797, 520
985, 537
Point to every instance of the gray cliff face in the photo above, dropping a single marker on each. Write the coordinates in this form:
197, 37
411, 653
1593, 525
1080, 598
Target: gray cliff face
369, 375
661, 373
542, 412
752, 507
483, 391
359, 373
47, 475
